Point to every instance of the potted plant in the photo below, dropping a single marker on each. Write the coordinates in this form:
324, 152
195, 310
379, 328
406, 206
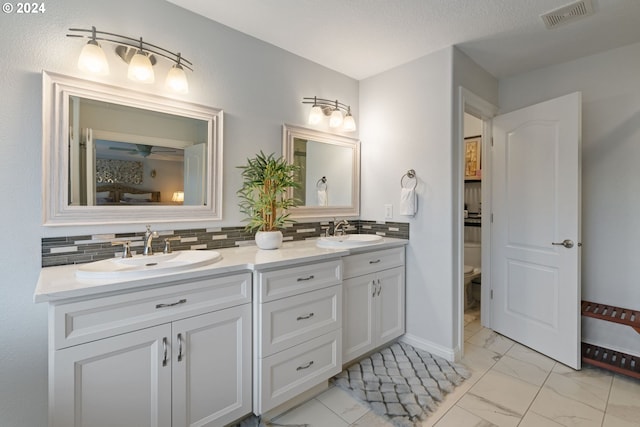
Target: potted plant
264, 197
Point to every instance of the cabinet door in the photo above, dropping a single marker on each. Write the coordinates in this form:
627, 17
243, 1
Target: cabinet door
117, 381
357, 317
389, 301
212, 367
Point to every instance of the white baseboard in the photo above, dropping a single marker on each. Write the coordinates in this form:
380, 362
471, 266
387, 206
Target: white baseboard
436, 349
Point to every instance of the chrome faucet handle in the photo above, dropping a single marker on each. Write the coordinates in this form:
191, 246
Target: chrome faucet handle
126, 248
167, 244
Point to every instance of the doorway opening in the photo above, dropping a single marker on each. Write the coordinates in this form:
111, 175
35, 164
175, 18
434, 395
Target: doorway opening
472, 223
477, 128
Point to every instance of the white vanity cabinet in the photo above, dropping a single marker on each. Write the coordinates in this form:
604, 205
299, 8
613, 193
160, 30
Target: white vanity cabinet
297, 330
172, 356
373, 303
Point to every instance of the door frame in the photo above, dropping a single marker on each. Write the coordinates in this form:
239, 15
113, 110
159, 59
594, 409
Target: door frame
473, 104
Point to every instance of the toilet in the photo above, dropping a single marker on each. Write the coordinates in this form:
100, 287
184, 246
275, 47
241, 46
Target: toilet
472, 263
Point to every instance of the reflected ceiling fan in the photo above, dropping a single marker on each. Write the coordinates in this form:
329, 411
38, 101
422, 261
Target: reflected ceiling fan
145, 150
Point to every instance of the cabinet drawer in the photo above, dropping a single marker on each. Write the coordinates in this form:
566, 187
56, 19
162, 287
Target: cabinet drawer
285, 282
369, 262
293, 320
286, 374
84, 321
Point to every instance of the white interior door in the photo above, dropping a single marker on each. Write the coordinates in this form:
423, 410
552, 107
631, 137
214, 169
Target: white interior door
536, 206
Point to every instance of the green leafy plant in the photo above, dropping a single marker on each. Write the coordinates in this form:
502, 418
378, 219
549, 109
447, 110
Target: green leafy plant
263, 196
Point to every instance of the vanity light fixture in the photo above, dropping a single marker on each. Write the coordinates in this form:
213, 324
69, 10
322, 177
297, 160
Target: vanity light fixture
339, 114
140, 55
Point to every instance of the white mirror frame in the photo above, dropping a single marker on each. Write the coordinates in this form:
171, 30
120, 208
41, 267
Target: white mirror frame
289, 133
57, 89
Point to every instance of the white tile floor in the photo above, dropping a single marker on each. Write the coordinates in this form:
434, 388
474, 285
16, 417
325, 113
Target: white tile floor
510, 385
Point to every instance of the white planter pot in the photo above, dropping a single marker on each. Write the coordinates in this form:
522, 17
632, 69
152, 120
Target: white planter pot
269, 239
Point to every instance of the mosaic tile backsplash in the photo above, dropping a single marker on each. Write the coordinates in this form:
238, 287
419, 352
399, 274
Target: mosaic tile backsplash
89, 248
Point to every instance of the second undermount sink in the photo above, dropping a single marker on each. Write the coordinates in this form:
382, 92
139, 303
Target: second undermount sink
348, 240
146, 265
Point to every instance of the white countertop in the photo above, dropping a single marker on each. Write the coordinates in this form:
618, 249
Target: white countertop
60, 283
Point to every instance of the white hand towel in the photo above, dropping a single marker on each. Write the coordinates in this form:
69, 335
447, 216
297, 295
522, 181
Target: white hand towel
322, 198
408, 202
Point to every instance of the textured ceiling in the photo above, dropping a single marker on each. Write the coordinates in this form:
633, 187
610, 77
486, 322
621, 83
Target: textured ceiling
361, 38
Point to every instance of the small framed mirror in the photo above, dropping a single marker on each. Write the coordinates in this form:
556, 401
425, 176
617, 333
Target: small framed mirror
112, 155
329, 174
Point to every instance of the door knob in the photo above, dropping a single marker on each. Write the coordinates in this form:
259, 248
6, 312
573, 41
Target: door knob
566, 243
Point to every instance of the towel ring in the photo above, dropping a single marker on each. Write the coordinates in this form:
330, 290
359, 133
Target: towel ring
322, 183
411, 174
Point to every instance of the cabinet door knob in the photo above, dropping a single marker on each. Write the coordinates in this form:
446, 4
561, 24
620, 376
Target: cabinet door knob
179, 347
182, 301
164, 346
307, 366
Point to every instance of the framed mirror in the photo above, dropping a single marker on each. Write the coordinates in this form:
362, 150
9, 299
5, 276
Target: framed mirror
329, 174
113, 155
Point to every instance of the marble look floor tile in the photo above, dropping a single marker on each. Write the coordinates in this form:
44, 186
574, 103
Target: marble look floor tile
520, 352
313, 413
531, 419
499, 398
458, 417
478, 359
371, 420
449, 401
524, 371
491, 341
590, 387
471, 329
343, 404
565, 411
624, 402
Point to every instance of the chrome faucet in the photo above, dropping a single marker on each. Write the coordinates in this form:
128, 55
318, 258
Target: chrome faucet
148, 238
338, 229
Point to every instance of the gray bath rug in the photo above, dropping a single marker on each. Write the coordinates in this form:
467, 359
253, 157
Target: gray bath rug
401, 383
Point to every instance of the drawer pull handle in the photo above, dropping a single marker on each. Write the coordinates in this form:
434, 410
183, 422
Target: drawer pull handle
164, 346
304, 279
302, 367
179, 347
182, 301
374, 261
308, 316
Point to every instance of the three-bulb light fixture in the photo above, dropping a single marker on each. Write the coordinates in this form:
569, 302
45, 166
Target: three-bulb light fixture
339, 114
141, 57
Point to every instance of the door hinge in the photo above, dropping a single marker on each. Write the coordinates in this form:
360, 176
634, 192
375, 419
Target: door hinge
492, 141
492, 217
491, 294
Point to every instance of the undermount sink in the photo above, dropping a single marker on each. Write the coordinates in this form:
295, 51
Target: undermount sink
146, 265
348, 240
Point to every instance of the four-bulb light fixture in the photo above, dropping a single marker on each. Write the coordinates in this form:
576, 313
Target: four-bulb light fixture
141, 57
339, 114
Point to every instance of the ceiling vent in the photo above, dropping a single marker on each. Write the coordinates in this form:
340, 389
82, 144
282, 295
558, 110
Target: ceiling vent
568, 13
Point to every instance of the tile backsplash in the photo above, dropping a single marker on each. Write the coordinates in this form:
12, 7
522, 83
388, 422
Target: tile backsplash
89, 248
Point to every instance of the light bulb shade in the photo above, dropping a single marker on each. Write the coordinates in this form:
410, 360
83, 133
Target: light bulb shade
336, 119
92, 59
177, 80
349, 123
315, 115
178, 196
140, 68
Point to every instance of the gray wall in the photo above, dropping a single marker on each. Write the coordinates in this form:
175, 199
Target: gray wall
409, 121
260, 87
